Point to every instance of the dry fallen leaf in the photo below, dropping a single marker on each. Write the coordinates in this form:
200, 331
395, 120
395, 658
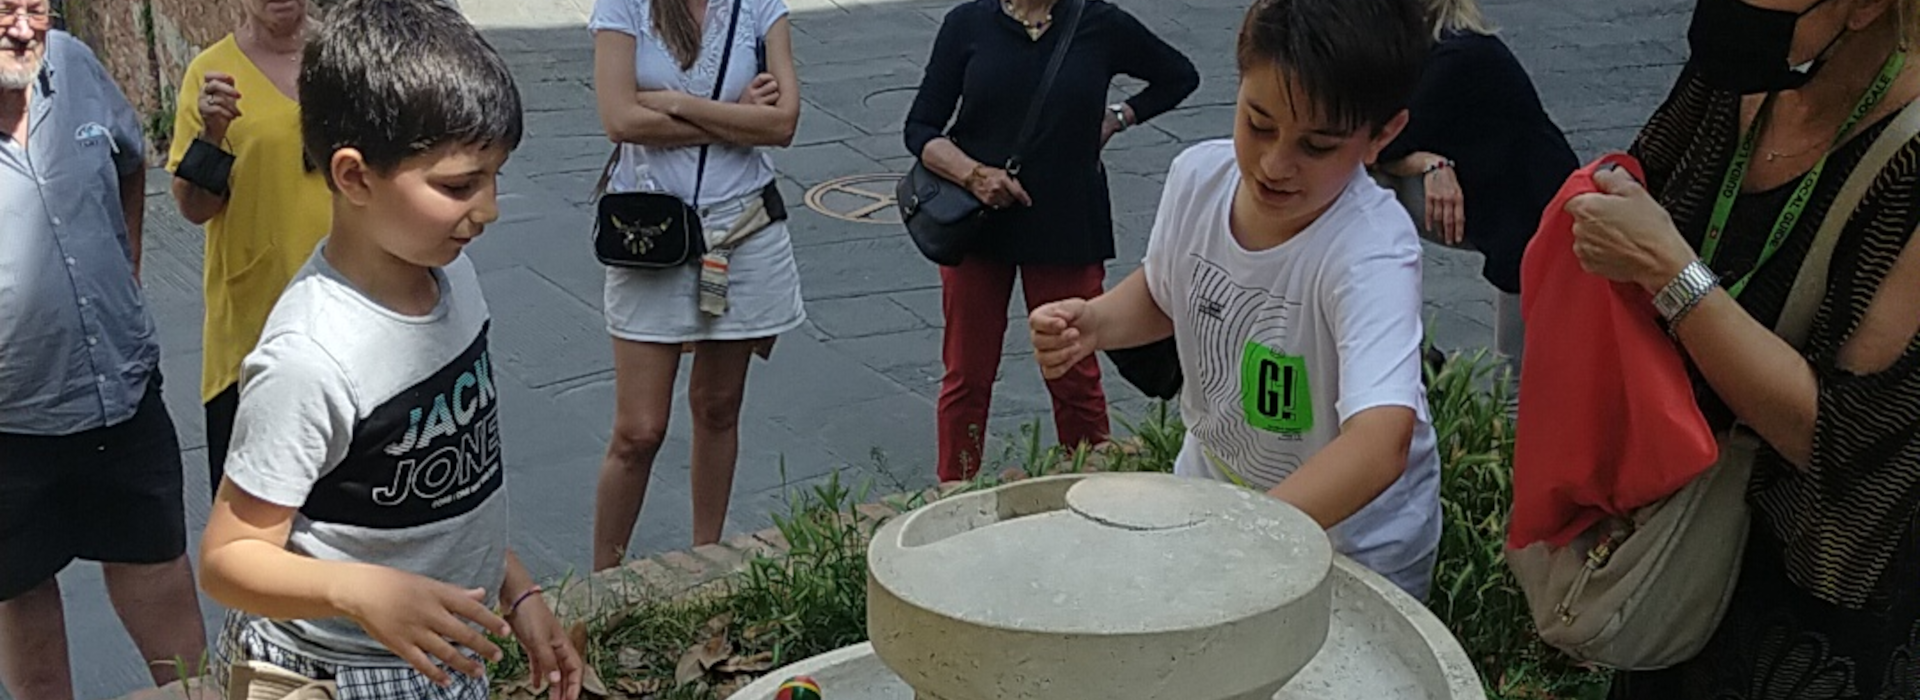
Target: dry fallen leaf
758, 663
590, 682
712, 650
577, 634
639, 687
632, 659
756, 632
728, 688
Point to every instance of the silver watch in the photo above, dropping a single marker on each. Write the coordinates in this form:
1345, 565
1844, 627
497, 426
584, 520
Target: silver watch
1693, 283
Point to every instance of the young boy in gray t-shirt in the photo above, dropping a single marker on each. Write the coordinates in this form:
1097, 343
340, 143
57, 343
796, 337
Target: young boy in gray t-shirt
361, 532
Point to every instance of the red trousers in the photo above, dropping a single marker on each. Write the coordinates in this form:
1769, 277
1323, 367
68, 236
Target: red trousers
974, 300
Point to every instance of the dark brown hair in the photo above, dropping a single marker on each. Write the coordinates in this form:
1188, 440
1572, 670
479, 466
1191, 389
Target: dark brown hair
1356, 60
678, 30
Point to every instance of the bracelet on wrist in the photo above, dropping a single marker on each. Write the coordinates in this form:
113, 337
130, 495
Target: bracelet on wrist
1435, 166
975, 175
529, 593
1684, 293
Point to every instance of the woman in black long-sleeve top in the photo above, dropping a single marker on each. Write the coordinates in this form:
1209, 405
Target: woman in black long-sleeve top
1053, 224
1481, 153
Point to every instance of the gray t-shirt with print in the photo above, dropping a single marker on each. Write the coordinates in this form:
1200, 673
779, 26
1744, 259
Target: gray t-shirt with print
383, 430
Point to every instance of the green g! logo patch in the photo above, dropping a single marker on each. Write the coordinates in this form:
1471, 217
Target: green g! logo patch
1274, 391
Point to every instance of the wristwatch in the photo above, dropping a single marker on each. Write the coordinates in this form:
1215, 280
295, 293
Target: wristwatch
1119, 111
1686, 290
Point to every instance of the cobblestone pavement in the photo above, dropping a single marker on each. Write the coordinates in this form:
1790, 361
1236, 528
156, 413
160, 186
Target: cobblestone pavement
860, 379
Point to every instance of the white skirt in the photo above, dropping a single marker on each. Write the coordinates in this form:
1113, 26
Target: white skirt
663, 306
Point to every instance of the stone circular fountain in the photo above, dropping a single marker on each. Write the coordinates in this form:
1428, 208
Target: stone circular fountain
1136, 586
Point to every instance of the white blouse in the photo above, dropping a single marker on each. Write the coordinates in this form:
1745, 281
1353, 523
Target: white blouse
732, 171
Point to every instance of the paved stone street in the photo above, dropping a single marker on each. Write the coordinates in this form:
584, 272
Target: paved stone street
859, 380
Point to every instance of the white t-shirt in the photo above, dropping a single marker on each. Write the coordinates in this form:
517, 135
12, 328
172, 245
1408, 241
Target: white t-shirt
732, 171
1281, 346
383, 430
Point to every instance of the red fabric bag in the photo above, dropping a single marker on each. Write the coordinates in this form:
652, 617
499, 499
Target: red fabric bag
1608, 421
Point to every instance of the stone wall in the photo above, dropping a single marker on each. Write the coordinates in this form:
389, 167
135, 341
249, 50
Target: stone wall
147, 44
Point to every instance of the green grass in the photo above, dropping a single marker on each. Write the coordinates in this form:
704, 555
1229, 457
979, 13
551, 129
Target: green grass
780, 610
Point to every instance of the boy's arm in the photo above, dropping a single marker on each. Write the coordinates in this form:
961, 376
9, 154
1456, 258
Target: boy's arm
1375, 303
245, 565
553, 660
1127, 315
1354, 469
1066, 332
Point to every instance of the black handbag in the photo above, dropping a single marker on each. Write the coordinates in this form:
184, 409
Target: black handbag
655, 230
942, 217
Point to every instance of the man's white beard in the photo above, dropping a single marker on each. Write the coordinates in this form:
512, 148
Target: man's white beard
13, 80
13, 77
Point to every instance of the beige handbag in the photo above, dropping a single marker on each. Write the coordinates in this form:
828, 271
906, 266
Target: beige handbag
259, 680
1649, 593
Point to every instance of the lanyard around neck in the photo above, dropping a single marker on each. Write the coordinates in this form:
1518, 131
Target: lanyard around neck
1789, 216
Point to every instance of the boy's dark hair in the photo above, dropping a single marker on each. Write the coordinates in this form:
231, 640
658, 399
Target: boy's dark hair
398, 78
1357, 60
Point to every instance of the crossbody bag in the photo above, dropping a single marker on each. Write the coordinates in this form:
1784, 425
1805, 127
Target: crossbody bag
942, 217
655, 230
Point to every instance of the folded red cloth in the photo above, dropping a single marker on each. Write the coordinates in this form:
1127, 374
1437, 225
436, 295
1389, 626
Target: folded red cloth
1608, 422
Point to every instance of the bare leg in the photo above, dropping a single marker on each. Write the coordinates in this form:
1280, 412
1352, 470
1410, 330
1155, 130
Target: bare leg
643, 400
160, 608
718, 386
33, 645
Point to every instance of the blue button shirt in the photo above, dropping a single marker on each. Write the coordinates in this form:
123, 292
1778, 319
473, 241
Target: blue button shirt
76, 342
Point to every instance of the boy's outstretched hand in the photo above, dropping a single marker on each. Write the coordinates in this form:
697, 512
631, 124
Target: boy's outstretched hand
1064, 333
555, 663
422, 620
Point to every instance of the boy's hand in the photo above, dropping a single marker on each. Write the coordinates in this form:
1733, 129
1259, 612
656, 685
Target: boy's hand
420, 620
554, 660
1064, 333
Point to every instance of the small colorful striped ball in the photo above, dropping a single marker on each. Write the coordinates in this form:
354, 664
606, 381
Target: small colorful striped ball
799, 688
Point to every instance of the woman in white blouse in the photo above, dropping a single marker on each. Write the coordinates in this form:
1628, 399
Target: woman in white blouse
655, 67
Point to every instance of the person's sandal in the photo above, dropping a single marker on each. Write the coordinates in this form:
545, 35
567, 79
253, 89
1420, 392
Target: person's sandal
259, 680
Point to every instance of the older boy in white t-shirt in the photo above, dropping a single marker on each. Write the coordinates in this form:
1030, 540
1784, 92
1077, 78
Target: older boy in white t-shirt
1292, 284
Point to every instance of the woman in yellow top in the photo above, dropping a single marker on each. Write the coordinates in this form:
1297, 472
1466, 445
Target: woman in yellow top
239, 170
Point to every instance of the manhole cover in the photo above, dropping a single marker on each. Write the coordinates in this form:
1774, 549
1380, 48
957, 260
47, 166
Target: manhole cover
867, 199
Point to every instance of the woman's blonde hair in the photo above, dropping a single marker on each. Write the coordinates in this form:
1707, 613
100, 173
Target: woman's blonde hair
1464, 16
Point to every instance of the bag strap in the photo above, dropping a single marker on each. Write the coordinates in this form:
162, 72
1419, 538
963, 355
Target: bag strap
1796, 319
719, 81
1045, 87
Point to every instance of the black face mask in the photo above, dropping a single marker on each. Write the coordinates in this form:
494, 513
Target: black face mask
1745, 49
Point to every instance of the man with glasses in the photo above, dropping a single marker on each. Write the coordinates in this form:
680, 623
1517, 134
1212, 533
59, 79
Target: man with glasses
89, 464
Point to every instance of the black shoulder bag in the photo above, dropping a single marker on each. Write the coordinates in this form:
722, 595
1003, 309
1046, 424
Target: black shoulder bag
944, 218
656, 230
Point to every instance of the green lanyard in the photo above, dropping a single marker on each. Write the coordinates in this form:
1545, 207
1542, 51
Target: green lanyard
1737, 175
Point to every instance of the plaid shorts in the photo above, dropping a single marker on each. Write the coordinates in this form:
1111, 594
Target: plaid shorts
240, 641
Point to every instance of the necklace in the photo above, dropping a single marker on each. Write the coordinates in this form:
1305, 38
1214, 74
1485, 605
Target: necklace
254, 36
1034, 29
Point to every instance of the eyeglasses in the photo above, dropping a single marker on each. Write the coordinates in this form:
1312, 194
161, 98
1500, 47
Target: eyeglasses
39, 21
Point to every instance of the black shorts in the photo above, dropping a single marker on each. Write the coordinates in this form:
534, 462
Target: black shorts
109, 494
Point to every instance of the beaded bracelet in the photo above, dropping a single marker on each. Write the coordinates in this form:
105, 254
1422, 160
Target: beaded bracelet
522, 599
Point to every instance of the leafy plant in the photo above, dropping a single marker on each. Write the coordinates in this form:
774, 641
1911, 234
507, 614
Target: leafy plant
1470, 398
